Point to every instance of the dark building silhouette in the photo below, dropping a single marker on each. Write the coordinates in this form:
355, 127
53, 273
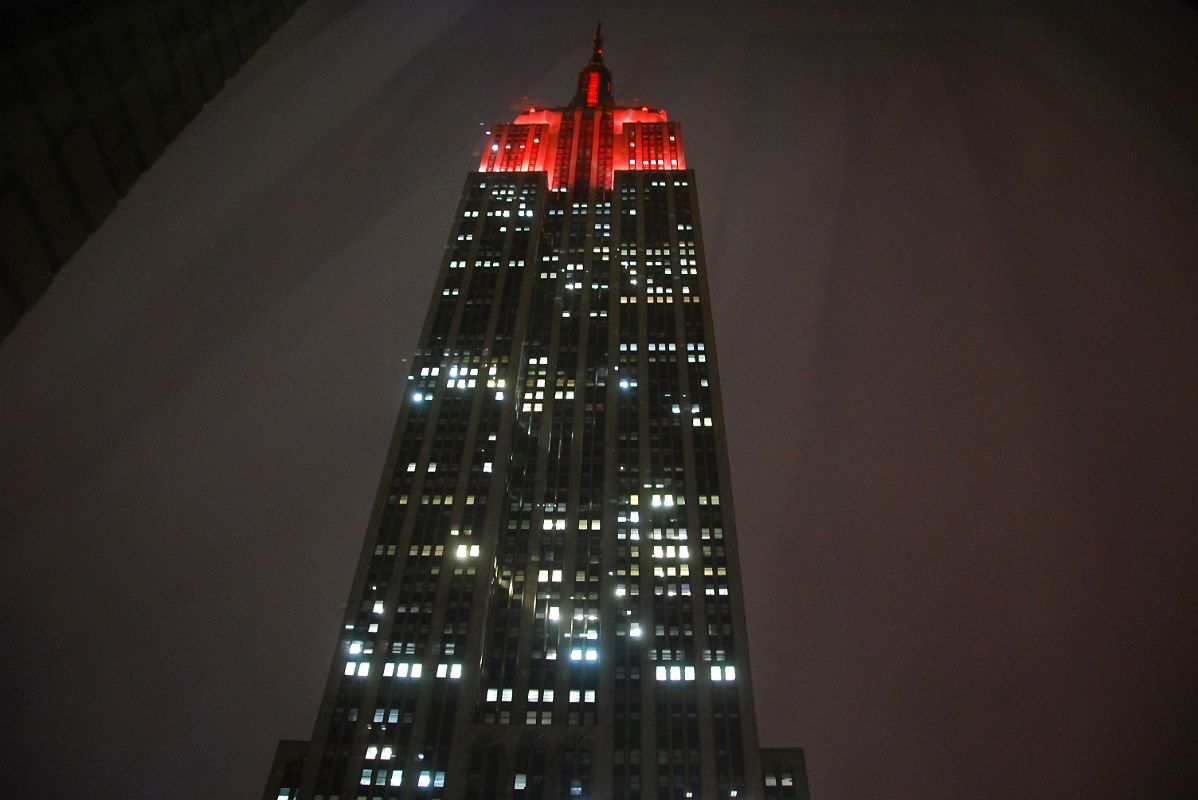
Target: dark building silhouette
90, 95
548, 603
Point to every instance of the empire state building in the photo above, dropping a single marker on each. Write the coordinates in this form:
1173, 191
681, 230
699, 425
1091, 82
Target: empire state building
548, 602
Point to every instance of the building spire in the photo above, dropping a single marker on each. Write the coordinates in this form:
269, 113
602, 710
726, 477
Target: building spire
594, 82
597, 42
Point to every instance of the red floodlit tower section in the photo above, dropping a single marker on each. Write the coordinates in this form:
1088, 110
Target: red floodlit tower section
582, 145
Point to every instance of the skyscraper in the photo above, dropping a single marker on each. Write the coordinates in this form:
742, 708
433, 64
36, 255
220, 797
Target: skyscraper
548, 603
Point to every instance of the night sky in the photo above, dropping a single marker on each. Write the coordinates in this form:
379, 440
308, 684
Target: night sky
952, 253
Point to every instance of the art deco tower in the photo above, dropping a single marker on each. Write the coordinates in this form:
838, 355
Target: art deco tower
548, 603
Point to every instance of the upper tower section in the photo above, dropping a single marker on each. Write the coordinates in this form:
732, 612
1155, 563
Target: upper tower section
594, 82
582, 145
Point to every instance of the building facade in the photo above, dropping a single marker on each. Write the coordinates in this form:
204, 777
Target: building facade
92, 95
548, 603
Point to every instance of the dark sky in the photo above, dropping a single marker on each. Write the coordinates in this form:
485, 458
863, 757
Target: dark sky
953, 255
